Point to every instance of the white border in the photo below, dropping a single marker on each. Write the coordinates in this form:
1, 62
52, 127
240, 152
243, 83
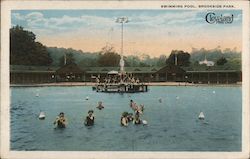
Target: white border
7, 6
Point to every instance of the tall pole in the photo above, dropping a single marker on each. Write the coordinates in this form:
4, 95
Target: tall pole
176, 62
65, 59
122, 20
122, 60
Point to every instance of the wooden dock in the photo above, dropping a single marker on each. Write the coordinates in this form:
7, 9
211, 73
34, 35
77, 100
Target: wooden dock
121, 88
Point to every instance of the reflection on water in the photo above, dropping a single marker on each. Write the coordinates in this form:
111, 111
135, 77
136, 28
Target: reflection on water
173, 123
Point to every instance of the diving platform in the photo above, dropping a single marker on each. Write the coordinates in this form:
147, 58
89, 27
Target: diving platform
120, 82
121, 88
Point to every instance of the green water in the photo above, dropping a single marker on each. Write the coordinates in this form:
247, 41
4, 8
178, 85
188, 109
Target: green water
173, 125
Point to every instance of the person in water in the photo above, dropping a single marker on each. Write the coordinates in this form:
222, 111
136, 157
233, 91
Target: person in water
90, 119
60, 121
133, 105
137, 120
141, 108
138, 112
124, 119
130, 117
100, 106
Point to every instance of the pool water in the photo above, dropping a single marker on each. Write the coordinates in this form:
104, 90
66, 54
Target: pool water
173, 124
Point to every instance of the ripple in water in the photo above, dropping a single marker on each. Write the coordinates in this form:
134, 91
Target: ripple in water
173, 123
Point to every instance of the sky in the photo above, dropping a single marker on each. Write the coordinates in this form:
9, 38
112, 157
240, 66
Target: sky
152, 32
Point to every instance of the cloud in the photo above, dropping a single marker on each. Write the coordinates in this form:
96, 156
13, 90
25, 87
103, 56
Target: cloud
157, 28
168, 18
34, 16
17, 16
36, 20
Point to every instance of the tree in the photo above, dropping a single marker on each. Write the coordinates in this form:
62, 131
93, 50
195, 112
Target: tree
161, 60
132, 61
221, 61
69, 59
182, 58
108, 57
24, 50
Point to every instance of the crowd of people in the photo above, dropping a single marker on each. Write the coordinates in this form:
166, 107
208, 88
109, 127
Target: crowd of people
126, 118
117, 78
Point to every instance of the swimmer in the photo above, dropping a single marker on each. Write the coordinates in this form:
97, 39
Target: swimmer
133, 105
141, 108
160, 100
124, 119
90, 119
137, 120
100, 106
60, 121
130, 117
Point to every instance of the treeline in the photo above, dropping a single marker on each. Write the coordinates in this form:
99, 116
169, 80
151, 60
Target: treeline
106, 57
224, 59
25, 50
214, 54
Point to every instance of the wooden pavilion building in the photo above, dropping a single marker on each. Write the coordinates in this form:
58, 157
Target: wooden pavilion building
70, 73
170, 73
20, 74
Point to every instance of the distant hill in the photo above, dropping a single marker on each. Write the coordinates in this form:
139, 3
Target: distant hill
25, 50
233, 58
81, 58
214, 54
87, 59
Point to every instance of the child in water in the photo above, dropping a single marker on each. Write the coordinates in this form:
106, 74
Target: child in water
130, 117
133, 105
100, 106
90, 119
137, 120
124, 119
141, 108
60, 121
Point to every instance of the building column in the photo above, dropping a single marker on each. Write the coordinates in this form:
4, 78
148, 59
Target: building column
157, 77
208, 78
199, 77
227, 77
218, 78
166, 76
192, 77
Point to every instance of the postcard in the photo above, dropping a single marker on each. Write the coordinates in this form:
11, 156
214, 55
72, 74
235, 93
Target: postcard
125, 79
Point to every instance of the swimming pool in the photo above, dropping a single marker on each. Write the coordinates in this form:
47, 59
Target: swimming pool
173, 125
